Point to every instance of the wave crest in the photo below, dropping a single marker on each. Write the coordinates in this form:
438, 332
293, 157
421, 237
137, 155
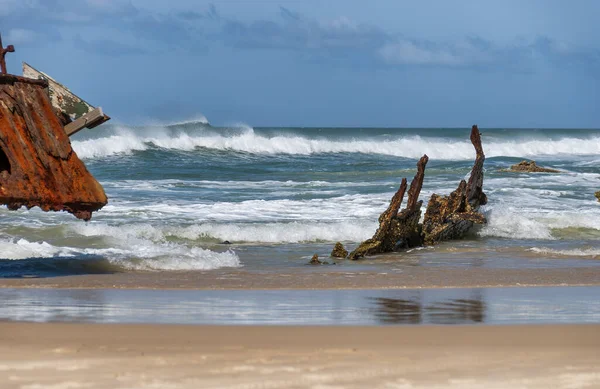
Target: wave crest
246, 140
134, 253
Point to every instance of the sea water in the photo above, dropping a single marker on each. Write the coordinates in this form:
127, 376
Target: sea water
177, 192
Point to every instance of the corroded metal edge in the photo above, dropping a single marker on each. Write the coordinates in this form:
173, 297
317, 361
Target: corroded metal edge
10, 79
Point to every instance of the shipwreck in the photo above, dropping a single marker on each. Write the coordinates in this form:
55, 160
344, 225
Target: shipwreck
446, 217
38, 166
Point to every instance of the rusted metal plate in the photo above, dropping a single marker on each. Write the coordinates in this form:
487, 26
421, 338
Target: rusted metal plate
3, 51
37, 164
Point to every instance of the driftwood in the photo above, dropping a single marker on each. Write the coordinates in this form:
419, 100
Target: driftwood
398, 230
446, 217
450, 217
37, 164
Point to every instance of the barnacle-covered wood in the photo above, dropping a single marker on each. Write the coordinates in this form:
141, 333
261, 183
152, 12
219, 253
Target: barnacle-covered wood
37, 164
450, 217
446, 217
398, 230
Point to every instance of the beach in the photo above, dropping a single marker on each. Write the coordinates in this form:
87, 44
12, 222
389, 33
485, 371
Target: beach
319, 278
150, 356
196, 274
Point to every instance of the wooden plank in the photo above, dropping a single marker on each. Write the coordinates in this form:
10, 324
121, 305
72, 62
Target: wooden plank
89, 120
61, 97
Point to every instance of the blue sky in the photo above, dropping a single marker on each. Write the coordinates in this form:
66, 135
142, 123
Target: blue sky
392, 63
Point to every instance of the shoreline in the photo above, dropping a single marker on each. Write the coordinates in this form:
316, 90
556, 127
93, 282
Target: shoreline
100, 356
292, 279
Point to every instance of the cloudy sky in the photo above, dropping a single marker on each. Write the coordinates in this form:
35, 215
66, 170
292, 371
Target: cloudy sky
393, 63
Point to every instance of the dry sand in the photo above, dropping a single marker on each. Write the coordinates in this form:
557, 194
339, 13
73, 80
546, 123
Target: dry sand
409, 277
71, 356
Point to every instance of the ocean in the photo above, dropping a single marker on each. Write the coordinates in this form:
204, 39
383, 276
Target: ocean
192, 197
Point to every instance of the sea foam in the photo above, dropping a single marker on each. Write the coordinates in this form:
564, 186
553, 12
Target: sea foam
593, 253
133, 253
127, 140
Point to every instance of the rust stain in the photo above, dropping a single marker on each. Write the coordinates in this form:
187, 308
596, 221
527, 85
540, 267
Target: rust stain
3, 51
38, 167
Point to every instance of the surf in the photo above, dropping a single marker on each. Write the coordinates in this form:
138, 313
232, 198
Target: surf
128, 140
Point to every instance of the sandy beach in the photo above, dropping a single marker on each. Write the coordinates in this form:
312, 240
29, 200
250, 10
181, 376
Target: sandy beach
68, 356
322, 278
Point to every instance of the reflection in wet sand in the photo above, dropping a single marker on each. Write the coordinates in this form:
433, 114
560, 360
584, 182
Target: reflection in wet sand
414, 311
397, 311
305, 307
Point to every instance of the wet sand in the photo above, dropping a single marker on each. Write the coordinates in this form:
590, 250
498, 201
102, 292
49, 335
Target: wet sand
68, 356
333, 307
322, 277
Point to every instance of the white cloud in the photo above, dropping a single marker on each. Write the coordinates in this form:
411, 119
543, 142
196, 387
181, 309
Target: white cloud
19, 36
405, 52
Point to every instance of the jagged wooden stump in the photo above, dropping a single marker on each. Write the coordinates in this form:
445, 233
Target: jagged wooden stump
398, 230
446, 217
451, 217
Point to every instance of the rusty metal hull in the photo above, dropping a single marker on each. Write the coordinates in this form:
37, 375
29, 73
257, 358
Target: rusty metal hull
38, 167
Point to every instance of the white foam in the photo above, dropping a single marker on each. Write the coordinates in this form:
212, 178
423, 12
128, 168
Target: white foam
198, 119
127, 140
131, 250
506, 222
194, 258
341, 208
269, 185
588, 252
294, 232
277, 232
22, 249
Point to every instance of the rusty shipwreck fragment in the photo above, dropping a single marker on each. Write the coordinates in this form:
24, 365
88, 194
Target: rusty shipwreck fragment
37, 164
74, 112
3, 52
398, 229
450, 217
446, 217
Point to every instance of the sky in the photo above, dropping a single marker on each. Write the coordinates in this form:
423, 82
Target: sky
378, 63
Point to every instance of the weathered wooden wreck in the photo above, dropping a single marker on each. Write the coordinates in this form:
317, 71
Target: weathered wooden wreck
38, 166
446, 217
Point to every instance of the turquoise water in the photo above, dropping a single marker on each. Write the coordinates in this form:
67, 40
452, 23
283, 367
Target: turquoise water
176, 192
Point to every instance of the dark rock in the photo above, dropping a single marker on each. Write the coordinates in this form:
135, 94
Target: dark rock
315, 260
339, 251
530, 167
225, 242
37, 164
597, 194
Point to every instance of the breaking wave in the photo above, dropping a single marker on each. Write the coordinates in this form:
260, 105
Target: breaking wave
504, 222
127, 140
294, 232
135, 253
